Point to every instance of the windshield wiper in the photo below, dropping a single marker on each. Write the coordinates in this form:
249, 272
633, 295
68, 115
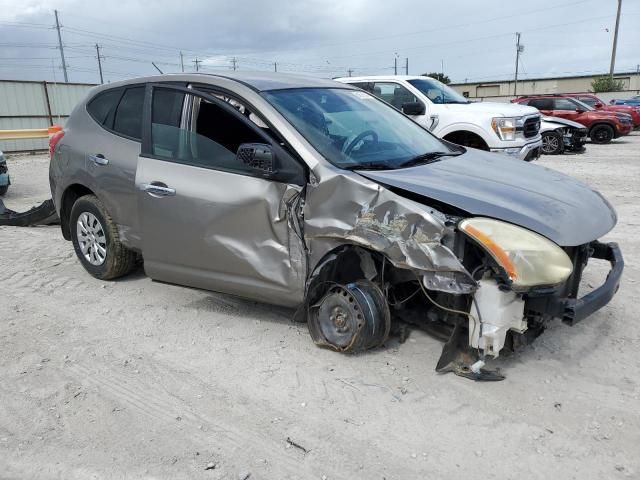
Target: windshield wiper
369, 166
427, 158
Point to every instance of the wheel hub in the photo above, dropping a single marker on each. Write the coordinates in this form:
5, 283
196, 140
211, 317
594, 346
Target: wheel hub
351, 317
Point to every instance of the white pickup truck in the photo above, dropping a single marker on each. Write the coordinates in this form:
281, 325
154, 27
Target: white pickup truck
499, 127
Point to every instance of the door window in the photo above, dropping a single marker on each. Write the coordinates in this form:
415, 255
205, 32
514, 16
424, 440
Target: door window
564, 104
541, 103
588, 100
393, 93
128, 117
213, 136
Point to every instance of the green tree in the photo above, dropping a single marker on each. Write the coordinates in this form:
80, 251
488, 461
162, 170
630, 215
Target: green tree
438, 76
606, 84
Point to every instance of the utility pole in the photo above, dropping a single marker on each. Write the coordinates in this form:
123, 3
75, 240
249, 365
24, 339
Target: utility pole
99, 63
519, 49
615, 41
395, 66
182, 62
275, 66
64, 64
406, 66
234, 62
197, 63
349, 72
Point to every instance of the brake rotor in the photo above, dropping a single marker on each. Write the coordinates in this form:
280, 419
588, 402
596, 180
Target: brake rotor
351, 317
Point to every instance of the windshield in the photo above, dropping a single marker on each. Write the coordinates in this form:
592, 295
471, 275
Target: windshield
437, 91
353, 129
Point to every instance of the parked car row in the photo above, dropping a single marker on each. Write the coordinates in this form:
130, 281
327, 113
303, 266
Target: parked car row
603, 125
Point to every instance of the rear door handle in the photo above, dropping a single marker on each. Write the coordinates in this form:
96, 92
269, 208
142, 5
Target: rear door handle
99, 159
157, 189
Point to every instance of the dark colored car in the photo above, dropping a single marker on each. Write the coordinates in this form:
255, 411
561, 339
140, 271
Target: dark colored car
319, 196
5, 181
603, 126
633, 101
594, 102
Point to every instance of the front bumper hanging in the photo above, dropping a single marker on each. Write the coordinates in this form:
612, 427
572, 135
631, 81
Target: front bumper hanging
567, 305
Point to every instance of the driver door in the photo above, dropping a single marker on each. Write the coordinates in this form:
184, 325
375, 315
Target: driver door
209, 219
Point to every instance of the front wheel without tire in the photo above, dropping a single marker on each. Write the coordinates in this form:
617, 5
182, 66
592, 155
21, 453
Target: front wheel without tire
552, 143
350, 318
96, 241
601, 134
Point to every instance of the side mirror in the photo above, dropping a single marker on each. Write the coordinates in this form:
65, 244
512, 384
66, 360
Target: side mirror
580, 110
257, 156
598, 105
413, 108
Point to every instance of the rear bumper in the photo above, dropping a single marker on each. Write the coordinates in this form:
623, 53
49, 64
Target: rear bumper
528, 152
572, 309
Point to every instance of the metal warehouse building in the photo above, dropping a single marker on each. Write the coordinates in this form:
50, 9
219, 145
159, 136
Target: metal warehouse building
30, 104
530, 86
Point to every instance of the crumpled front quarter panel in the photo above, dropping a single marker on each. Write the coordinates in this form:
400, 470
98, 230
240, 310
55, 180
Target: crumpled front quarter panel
345, 208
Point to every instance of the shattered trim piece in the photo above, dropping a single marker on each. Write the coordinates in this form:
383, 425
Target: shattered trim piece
43, 214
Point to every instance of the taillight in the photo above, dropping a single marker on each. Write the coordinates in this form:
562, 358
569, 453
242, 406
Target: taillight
55, 135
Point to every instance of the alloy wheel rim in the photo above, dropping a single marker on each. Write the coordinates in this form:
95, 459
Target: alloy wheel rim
91, 239
549, 144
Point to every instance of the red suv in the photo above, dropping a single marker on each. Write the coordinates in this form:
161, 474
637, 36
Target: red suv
594, 102
603, 126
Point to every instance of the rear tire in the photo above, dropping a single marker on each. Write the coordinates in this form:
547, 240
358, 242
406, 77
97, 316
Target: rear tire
601, 134
97, 242
552, 143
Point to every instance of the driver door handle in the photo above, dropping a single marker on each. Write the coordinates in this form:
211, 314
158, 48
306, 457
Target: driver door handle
158, 189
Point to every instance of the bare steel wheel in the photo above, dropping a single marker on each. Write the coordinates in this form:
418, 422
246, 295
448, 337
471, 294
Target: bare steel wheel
349, 318
91, 238
96, 240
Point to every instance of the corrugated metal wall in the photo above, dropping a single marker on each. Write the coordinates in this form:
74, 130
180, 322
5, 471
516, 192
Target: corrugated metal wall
25, 104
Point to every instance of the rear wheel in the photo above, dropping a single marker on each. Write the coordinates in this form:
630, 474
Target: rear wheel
96, 241
601, 134
552, 143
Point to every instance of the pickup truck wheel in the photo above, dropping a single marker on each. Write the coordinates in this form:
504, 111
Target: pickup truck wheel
97, 242
3, 190
350, 318
601, 134
552, 143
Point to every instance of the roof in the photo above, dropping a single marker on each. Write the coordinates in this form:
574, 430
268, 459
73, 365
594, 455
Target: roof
522, 80
384, 77
259, 81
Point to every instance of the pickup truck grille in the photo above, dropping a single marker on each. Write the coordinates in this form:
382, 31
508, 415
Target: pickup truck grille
531, 127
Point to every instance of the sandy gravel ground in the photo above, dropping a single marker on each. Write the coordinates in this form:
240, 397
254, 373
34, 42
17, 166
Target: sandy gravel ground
136, 379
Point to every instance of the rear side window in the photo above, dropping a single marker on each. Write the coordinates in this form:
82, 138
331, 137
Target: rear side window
542, 103
103, 104
128, 118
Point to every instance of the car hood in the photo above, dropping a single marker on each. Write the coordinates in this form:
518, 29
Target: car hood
492, 108
563, 122
552, 204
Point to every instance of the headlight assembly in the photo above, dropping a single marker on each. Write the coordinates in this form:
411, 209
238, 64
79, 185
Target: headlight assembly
527, 258
505, 127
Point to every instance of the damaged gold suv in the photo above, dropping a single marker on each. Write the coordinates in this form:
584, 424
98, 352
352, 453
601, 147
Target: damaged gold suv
317, 195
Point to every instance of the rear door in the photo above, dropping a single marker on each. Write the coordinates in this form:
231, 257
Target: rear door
545, 105
210, 220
